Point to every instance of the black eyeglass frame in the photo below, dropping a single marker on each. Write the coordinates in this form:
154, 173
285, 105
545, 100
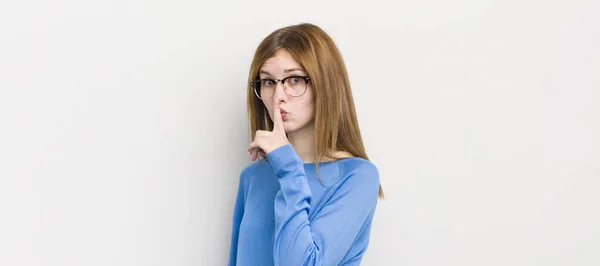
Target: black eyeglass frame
255, 86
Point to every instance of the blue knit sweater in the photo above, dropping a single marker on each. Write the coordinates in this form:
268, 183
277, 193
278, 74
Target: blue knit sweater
284, 216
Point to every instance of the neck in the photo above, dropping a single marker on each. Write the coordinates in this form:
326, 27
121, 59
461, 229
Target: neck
303, 142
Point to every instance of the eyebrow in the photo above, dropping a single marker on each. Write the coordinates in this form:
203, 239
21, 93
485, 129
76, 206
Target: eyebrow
285, 71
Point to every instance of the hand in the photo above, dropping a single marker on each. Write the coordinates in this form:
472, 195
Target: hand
267, 141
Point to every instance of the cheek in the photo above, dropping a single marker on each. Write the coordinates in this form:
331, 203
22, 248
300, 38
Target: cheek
267, 106
310, 103
308, 109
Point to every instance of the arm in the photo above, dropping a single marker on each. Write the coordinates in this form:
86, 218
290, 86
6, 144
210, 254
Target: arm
326, 239
238, 213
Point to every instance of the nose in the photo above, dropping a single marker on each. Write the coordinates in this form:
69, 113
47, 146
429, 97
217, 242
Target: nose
279, 95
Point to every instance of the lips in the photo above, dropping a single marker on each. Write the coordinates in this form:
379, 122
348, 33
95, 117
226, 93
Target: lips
283, 114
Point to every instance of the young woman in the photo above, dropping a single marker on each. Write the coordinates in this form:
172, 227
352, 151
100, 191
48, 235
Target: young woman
310, 197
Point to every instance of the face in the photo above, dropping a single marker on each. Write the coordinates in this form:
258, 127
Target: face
299, 110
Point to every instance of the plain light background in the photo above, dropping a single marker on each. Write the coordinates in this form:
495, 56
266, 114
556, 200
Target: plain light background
123, 127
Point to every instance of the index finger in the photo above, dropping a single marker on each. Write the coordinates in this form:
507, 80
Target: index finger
277, 120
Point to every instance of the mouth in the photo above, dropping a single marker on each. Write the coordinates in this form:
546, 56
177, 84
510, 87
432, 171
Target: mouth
283, 114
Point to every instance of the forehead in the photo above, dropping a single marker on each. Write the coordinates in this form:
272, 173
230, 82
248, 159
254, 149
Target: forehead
281, 61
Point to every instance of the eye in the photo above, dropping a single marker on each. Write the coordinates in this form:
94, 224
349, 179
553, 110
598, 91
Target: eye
294, 80
268, 83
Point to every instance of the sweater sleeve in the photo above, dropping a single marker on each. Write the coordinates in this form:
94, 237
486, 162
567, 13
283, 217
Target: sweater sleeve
327, 236
238, 213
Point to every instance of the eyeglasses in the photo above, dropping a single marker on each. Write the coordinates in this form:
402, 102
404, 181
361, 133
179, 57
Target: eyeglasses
294, 86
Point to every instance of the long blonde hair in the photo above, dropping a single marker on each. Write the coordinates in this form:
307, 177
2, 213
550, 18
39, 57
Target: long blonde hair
336, 125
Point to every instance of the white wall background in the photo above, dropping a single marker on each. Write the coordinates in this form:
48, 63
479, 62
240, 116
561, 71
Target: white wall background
123, 127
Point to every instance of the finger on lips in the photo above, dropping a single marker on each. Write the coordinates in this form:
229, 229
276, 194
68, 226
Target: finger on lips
277, 119
255, 148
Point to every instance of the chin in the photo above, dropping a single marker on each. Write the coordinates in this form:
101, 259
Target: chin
291, 127
288, 129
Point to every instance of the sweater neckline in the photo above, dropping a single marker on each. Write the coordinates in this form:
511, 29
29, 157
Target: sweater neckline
332, 162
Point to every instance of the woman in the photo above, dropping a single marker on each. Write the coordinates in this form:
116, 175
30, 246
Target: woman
310, 200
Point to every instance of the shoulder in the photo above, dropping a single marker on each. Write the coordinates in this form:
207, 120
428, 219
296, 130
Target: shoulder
360, 172
253, 169
357, 165
358, 183
250, 168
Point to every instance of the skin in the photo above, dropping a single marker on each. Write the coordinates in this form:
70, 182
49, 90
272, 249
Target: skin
297, 128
